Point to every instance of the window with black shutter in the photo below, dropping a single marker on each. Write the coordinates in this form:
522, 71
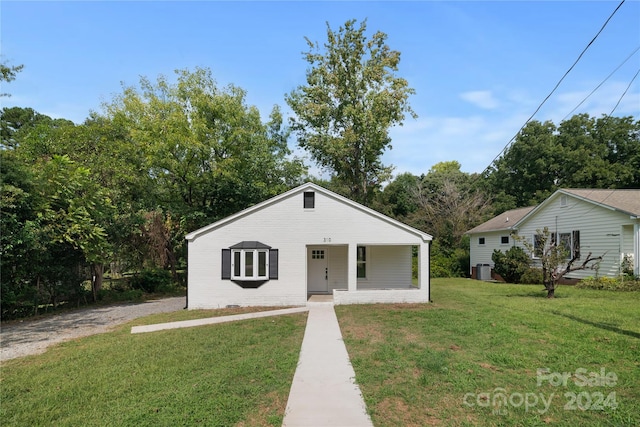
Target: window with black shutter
250, 264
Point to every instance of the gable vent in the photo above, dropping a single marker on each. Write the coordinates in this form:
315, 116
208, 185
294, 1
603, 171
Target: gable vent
309, 200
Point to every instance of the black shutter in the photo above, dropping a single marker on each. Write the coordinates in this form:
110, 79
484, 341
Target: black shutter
576, 244
226, 264
273, 264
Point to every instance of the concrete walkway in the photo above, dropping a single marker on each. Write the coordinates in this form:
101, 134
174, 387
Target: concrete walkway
214, 320
324, 392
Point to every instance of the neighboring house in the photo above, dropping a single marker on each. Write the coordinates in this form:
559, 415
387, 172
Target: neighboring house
603, 222
306, 241
493, 234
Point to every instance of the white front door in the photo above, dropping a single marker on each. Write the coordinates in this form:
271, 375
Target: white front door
317, 269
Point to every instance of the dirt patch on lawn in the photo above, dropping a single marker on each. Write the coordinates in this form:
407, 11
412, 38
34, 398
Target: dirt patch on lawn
395, 411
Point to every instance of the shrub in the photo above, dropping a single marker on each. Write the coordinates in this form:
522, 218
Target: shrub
152, 280
533, 276
610, 283
512, 264
109, 296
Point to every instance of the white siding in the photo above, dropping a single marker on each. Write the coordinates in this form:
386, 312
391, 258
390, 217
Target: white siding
338, 267
387, 267
285, 225
481, 254
601, 229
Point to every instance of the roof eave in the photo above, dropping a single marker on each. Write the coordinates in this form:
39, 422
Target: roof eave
425, 237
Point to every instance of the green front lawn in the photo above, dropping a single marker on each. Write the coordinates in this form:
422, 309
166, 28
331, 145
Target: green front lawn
446, 363
452, 362
223, 375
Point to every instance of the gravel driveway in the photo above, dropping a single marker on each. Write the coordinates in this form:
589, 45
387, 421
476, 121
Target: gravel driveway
23, 338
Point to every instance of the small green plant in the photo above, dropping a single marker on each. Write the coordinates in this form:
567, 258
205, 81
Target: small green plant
626, 265
511, 265
610, 283
533, 276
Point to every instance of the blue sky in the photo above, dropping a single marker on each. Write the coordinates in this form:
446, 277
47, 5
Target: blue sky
479, 68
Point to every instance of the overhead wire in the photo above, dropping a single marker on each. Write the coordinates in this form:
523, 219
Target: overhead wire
603, 82
625, 92
555, 87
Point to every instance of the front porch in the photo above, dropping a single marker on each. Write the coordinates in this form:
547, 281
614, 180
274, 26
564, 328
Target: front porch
370, 296
368, 274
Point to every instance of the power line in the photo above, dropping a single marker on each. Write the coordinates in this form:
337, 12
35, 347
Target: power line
625, 92
601, 83
556, 86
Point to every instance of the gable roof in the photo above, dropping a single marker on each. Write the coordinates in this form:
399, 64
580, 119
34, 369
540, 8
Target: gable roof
505, 221
626, 201
307, 187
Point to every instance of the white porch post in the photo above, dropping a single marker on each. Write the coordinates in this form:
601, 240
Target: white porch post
352, 268
636, 249
423, 267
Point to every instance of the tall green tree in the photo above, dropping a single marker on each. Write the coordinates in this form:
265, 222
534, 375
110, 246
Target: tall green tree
208, 153
115, 166
16, 123
582, 152
8, 73
76, 212
351, 99
398, 197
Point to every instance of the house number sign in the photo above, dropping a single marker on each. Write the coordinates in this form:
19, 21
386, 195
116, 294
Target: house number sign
327, 240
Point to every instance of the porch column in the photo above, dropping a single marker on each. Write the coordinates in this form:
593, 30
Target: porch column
423, 267
636, 249
352, 268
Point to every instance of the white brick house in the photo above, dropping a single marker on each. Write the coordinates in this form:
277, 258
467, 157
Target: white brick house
306, 241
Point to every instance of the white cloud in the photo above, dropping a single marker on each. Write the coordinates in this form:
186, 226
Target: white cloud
481, 98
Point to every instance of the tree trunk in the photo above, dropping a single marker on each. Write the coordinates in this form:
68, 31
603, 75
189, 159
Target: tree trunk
550, 286
172, 261
96, 283
37, 296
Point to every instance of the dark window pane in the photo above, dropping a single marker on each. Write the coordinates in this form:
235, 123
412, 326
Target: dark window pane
236, 263
248, 264
362, 270
262, 264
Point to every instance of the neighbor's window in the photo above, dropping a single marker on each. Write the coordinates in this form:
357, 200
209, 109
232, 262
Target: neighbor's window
575, 244
537, 245
309, 200
565, 244
481, 240
250, 264
362, 262
504, 240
